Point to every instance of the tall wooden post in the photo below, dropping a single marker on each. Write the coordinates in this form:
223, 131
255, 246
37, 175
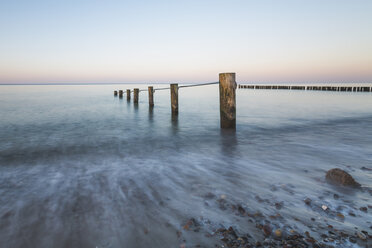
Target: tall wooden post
128, 95
174, 98
121, 93
115, 93
151, 96
135, 95
227, 100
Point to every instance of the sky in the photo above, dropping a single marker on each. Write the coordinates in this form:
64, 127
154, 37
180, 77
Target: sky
105, 41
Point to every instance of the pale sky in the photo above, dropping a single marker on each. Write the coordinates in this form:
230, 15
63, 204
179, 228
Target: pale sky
104, 41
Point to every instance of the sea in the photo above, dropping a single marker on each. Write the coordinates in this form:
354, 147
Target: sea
80, 167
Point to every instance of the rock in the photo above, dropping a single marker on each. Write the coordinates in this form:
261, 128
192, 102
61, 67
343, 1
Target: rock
209, 195
324, 207
362, 236
351, 214
191, 223
364, 209
278, 233
267, 230
279, 205
341, 177
352, 240
307, 201
241, 210
340, 215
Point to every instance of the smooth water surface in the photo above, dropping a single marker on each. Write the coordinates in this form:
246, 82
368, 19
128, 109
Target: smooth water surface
82, 168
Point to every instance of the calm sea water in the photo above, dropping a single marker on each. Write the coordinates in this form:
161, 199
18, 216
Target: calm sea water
82, 168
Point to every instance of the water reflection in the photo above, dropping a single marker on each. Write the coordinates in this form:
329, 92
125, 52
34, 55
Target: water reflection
151, 114
228, 141
135, 105
174, 120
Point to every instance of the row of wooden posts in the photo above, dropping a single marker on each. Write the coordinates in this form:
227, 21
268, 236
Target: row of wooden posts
227, 90
321, 88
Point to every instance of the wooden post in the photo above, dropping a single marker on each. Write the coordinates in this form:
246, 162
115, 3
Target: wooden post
151, 96
128, 95
174, 98
135, 95
227, 100
121, 93
115, 93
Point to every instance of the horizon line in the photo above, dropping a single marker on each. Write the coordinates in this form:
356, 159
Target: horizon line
246, 83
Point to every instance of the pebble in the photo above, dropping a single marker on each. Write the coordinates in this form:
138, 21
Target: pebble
267, 230
324, 207
278, 205
364, 209
352, 240
362, 236
307, 201
278, 233
340, 215
351, 214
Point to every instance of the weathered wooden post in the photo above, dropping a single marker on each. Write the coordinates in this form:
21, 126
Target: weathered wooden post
115, 93
135, 95
227, 100
128, 95
174, 98
151, 96
121, 93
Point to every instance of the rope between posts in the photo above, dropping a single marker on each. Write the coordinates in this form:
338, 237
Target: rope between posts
182, 86
195, 85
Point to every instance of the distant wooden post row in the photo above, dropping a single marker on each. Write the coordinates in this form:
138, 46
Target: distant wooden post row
318, 88
227, 92
227, 99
